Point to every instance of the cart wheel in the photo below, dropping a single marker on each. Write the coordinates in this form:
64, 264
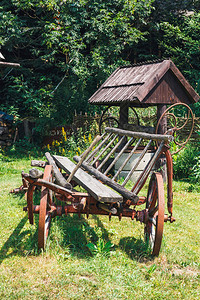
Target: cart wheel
44, 214
109, 118
177, 126
108, 122
30, 203
155, 206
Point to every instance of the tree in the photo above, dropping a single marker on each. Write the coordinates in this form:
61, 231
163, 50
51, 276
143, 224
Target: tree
81, 41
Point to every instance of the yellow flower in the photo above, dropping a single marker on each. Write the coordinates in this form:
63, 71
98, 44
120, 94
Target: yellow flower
48, 147
79, 150
65, 138
63, 150
63, 131
90, 138
85, 138
53, 143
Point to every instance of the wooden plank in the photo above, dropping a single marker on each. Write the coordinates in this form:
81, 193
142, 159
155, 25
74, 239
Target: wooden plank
114, 185
98, 190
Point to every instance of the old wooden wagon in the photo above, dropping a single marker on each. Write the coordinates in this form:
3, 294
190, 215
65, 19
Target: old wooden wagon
108, 190
104, 194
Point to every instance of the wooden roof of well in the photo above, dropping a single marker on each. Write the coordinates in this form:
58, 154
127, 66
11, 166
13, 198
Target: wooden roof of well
148, 83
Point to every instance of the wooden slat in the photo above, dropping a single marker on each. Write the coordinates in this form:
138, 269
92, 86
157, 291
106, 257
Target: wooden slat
98, 190
143, 135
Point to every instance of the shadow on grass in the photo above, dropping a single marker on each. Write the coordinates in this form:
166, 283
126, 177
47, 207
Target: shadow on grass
136, 249
13, 243
74, 233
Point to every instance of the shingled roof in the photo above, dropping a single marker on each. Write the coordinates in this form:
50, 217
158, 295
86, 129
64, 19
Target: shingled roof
145, 84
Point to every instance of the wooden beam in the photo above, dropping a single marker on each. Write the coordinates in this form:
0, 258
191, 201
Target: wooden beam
59, 177
148, 136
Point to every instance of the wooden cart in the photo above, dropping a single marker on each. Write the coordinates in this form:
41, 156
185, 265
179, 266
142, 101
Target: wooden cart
105, 193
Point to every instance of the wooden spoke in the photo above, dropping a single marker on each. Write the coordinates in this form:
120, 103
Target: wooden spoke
30, 203
153, 229
44, 214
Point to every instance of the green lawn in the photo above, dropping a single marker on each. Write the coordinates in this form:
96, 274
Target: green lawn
66, 270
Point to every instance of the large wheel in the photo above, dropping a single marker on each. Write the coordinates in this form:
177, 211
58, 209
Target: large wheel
44, 214
155, 206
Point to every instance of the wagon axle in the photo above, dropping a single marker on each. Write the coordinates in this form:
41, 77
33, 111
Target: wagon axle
140, 215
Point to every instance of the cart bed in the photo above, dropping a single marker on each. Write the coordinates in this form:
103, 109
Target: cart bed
98, 190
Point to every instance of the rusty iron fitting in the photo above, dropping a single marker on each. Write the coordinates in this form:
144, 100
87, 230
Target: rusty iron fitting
170, 218
142, 216
59, 210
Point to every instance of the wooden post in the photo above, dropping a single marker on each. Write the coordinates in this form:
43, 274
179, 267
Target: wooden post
123, 114
123, 119
161, 108
162, 128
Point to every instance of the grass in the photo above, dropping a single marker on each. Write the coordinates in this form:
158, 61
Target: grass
67, 270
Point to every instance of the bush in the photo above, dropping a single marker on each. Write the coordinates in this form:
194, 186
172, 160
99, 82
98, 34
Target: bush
185, 161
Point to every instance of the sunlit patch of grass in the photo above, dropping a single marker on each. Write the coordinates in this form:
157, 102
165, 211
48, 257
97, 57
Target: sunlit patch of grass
66, 270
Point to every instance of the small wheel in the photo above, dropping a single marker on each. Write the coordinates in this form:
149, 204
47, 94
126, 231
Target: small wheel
155, 207
110, 117
44, 214
177, 125
108, 122
29, 197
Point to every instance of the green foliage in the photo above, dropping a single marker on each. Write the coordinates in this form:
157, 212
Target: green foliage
66, 49
101, 248
73, 145
185, 163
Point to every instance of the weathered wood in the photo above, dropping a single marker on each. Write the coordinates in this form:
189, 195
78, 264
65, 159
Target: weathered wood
162, 128
123, 114
141, 180
127, 159
38, 163
8, 64
84, 155
148, 136
104, 149
114, 185
133, 127
35, 173
137, 163
110, 153
50, 185
98, 190
58, 176
95, 151
119, 155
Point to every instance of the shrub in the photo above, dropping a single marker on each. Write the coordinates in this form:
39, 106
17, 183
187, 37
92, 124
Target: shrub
184, 163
